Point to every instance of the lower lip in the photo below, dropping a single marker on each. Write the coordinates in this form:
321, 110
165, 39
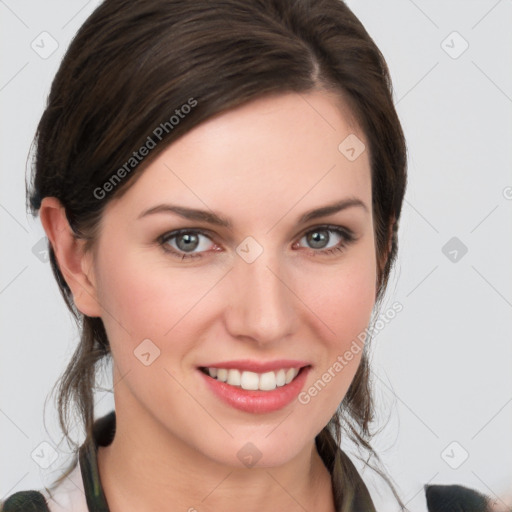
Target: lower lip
258, 402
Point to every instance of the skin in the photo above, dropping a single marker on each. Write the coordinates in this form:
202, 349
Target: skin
262, 166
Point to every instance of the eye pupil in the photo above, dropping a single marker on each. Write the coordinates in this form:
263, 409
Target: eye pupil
317, 238
191, 241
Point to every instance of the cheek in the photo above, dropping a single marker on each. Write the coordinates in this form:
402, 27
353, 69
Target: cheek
343, 301
343, 296
143, 299
146, 302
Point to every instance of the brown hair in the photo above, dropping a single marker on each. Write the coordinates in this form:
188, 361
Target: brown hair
128, 69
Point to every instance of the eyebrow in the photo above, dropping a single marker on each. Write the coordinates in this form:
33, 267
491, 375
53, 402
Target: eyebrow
215, 219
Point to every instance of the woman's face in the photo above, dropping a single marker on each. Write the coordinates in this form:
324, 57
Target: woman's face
271, 288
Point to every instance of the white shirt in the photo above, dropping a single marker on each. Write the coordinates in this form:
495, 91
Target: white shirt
69, 495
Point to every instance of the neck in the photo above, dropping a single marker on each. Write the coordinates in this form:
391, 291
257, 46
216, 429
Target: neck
147, 468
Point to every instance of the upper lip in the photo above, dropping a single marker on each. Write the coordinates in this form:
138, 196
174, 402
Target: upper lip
258, 366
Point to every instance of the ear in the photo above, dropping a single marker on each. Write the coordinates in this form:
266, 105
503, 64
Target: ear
74, 263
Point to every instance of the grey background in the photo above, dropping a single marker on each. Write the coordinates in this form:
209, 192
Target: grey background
442, 365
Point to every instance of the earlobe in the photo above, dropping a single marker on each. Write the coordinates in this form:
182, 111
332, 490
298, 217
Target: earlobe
73, 262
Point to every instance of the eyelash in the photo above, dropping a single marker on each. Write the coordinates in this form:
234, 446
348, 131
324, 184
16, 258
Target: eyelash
346, 235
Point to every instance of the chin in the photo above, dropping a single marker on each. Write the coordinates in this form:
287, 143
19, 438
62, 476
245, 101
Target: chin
263, 449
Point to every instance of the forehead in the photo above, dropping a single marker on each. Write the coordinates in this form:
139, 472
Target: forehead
267, 156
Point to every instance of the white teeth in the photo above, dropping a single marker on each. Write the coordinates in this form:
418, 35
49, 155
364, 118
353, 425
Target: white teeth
268, 381
249, 381
252, 381
290, 375
222, 374
234, 377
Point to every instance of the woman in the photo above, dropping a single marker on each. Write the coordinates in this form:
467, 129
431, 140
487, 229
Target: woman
221, 185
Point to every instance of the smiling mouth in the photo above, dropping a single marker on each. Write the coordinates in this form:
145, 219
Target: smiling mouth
252, 381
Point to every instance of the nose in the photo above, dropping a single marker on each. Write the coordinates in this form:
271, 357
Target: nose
261, 303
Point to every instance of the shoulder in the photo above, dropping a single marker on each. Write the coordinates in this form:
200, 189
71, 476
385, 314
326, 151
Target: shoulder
445, 498
68, 496
25, 501
77, 487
